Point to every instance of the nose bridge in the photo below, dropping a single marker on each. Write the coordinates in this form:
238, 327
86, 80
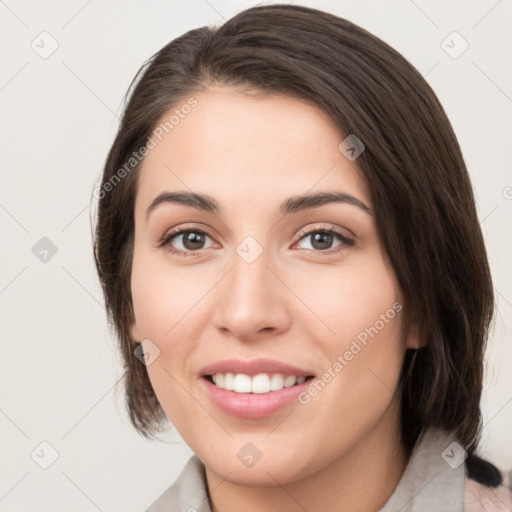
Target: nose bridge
251, 298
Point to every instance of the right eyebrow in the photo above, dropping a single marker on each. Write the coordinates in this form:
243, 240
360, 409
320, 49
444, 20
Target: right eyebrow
197, 201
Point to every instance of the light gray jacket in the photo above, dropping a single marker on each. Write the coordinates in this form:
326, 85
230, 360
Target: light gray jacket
435, 480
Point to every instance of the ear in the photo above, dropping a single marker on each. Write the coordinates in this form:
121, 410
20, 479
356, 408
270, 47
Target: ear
413, 337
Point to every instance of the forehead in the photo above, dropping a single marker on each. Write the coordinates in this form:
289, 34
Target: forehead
247, 148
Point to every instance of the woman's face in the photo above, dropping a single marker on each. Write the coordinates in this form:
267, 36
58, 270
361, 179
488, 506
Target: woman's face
262, 289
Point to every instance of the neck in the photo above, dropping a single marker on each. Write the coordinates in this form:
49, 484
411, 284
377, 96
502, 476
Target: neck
362, 478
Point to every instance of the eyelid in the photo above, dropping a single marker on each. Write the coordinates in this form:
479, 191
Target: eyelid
347, 240
174, 232
342, 232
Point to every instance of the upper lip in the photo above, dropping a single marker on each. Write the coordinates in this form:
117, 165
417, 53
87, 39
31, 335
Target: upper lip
253, 367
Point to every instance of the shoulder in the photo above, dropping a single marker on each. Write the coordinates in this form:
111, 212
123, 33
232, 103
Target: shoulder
487, 488
188, 493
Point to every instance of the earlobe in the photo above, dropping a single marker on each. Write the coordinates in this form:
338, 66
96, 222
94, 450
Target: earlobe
413, 338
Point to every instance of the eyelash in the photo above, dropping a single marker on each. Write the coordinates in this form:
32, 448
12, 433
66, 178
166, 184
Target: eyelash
165, 241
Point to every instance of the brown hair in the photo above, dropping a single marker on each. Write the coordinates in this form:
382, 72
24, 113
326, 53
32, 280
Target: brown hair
420, 189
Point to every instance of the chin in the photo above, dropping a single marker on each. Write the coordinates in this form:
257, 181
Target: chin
242, 463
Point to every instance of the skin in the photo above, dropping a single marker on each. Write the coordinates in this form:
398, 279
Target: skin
251, 152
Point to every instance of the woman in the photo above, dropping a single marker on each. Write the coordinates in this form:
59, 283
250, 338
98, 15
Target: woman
290, 253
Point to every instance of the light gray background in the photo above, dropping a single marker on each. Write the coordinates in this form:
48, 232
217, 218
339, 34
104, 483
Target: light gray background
59, 365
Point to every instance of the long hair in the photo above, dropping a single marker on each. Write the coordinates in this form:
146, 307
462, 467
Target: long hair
419, 185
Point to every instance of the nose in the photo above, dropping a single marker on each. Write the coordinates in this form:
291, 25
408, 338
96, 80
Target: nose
252, 302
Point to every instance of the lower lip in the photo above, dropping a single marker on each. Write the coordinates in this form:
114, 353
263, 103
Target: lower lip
252, 405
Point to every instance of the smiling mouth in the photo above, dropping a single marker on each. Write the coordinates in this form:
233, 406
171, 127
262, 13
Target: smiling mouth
261, 383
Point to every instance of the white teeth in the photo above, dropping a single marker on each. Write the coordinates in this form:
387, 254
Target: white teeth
261, 383
242, 383
229, 380
276, 382
218, 378
290, 381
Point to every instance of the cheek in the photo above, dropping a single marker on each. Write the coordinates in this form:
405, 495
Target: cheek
348, 300
162, 297
361, 305
169, 305
363, 355
162, 302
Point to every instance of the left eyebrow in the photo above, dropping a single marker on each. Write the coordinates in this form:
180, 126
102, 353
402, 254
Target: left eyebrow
310, 201
291, 205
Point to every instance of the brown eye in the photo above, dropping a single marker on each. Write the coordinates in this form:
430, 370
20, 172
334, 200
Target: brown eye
193, 240
185, 242
322, 240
